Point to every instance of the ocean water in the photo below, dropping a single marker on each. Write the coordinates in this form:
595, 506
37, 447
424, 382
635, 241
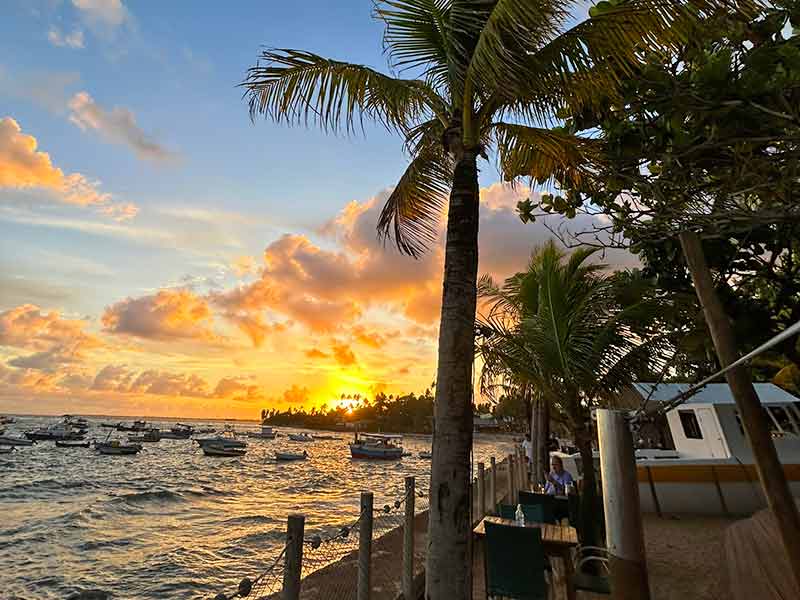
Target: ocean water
171, 522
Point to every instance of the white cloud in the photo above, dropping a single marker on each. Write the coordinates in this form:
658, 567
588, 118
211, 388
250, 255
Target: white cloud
117, 125
111, 13
69, 40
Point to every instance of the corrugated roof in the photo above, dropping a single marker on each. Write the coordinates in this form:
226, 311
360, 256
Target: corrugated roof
713, 393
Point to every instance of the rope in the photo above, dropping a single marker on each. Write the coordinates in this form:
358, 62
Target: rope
322, 550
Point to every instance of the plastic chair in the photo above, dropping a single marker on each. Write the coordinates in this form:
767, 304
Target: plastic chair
590, 582
547, 502
514, 562
534, 513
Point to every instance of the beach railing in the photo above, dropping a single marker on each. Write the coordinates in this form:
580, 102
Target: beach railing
344, 565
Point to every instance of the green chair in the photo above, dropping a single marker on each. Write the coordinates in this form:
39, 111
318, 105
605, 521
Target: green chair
514, 562
534, 513
547, 502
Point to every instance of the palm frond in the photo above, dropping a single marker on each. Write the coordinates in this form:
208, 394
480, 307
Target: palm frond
544, 154
416, 36
412, 211
293, 86
585, 64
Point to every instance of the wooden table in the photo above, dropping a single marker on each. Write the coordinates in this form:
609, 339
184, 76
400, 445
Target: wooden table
557, 540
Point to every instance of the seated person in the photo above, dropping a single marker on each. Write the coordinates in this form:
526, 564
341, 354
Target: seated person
557, 478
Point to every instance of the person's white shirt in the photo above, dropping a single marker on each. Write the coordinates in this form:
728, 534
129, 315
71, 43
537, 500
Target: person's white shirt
527, 447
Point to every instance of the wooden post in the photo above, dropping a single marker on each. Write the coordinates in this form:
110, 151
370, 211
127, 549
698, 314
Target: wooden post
365, 548
492, 485
510, 481
481, 492
770, 471
523, 470
408, 541
295, 526
624, 529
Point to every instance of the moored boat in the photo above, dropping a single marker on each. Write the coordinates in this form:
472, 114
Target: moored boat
217, 449
291, 455
301, 437
116, 448
228, 439
57, 431
6, 420
266, 433
111, 425
179, 431
377, 446
135, 426
8, 440
150, 435
61, 444
426, 454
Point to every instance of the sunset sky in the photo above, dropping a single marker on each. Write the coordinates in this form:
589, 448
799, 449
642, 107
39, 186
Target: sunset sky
162, 255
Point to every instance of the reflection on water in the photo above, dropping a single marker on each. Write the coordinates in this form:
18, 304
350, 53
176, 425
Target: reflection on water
172, 522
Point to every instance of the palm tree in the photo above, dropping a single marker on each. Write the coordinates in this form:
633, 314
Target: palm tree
576, 333
470, 76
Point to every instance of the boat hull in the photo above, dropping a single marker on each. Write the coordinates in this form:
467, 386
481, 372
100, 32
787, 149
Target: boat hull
45, 436
376, 453
289, 456
110, 450
223, 452
13, 441
298, 437
61, 444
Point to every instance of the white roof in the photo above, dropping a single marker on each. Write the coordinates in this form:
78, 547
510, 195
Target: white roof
713, 393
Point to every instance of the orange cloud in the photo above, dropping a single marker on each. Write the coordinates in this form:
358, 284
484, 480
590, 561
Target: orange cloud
166, 315
23, 166
315, 353
54, 340
343, 355
238, 389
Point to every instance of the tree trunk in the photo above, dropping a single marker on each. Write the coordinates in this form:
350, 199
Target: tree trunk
768, 466
449, 562
539, 438
588, 506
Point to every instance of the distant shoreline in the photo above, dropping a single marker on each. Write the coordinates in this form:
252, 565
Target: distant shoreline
132, 417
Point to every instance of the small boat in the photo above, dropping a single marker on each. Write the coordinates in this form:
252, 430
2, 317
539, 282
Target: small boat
228, 439
136, 426
223, 450
377, 446
151, 435
425, 454
266, 433
61, 444
291, 455
57, 431
205, 430
7, 440
111, 425
78, 423
301, 437
115, 448
179, 432
4, 420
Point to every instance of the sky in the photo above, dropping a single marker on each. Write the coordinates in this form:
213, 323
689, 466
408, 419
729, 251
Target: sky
161, 254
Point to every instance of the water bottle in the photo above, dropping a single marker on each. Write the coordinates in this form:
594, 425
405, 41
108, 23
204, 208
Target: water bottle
519, 516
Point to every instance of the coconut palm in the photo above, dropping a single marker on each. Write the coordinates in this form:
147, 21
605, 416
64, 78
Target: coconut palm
469, 77
576, 333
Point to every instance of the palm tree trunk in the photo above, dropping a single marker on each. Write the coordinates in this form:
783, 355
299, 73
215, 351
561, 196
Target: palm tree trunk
449, 562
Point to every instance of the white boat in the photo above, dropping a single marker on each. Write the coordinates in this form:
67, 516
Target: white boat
699, 460
266, 433
179, 432
291, 455
228, 439
78, 423
150, 435
377, 446
223, 450
301, 437
426, 454
57, 431
7, 440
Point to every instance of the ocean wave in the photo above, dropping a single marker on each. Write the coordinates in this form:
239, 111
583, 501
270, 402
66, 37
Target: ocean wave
154, 496
249, 520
